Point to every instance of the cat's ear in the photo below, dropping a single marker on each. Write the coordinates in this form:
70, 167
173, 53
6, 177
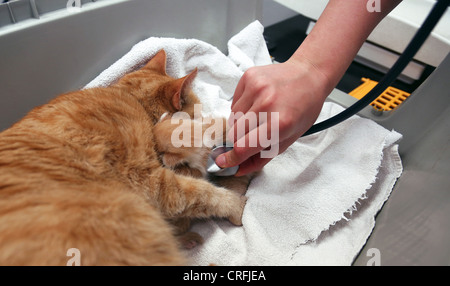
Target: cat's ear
182, 86
158, 62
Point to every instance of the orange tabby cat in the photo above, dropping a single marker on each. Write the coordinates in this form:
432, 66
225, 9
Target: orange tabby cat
191, 160
82, 172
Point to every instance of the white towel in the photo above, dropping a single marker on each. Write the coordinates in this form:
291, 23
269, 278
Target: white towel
315, 203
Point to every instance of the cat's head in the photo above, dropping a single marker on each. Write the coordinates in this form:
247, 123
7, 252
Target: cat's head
192, 154
158, 92
188, 143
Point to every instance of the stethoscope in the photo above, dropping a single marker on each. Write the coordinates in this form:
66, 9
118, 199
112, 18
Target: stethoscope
413, 47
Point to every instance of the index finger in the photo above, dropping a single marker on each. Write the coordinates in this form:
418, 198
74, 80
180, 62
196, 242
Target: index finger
238, 92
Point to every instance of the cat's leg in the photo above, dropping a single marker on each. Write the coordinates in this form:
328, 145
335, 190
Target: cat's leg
190, 239
183, 196
187, 171
180, 224
236, 184
186, 239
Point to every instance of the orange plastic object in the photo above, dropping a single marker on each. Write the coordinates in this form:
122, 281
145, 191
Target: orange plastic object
388, 100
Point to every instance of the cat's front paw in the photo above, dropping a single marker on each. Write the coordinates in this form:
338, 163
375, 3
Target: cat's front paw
236, 217
190, 240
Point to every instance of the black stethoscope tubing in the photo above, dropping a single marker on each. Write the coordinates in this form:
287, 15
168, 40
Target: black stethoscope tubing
413, 47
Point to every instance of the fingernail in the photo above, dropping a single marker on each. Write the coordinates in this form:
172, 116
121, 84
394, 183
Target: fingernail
221, 161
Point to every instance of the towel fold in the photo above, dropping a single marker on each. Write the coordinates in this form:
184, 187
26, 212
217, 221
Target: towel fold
315, 203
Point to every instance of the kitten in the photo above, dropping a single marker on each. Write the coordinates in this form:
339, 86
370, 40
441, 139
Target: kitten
83, 172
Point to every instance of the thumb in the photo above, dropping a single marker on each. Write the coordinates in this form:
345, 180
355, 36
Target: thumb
236, 156
228, 159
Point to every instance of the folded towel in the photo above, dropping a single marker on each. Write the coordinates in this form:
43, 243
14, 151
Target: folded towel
315, 203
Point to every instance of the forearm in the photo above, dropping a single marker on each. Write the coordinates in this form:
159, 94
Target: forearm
338, 35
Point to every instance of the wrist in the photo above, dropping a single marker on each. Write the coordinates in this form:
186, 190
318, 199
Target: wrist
323, 82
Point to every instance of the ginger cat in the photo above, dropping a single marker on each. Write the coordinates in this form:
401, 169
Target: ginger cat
83, 172
191, 161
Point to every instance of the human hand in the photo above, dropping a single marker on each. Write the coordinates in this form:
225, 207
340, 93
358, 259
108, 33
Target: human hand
294, 90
